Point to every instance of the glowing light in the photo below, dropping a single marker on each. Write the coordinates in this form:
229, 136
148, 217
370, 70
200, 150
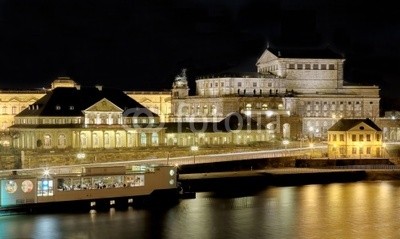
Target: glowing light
46, 172
81, 155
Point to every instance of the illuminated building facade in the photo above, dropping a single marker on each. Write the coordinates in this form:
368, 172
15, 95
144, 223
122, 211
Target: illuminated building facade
307, 84
355, 138
85, 117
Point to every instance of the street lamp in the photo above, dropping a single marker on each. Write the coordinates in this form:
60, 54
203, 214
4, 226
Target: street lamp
285, 142
194, 148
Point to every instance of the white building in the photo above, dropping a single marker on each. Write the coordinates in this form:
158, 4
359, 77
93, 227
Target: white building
305, 83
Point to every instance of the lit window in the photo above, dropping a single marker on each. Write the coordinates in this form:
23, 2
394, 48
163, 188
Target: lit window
143, 139
154, 139
61, 140
45, 187
47, 140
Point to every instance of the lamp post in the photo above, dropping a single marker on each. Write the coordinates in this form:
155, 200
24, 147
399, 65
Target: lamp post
285, 142
194, 148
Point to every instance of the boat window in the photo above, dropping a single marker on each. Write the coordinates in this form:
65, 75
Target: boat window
45, 187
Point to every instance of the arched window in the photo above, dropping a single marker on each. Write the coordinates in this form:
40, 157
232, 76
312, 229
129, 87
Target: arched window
264, 106
286, 131
47, 141
117, 140
83, 140
61, 141
154, 138
95, 140
143, 139
213, 110
130, 139
205, 110
106, 139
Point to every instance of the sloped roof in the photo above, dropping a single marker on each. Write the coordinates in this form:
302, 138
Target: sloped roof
234, 121
347, 124
308, 53
71, 101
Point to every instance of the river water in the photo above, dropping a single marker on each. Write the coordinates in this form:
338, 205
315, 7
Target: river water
337, 210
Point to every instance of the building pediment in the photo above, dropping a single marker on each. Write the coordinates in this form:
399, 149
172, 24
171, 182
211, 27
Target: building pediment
362, 127
105, 106
266, 57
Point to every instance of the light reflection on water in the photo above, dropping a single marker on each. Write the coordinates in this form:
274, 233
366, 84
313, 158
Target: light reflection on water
340, 210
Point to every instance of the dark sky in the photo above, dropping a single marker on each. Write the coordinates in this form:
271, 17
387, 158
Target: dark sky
143, 44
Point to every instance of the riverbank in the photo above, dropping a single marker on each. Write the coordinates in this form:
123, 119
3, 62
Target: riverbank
252, 180
254, 174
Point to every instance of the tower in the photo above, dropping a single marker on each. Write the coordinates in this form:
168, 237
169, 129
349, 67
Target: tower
180, 88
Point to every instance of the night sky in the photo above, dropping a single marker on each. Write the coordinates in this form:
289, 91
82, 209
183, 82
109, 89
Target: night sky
144, 44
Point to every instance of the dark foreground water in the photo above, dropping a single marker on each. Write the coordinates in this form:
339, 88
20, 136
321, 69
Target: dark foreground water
337, 210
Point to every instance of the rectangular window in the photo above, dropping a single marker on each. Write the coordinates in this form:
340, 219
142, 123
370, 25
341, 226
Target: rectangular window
254, 84
354, 150
341, 137
291, 66
353, 137
368, 137
222, 84
216, 84
239, 84
299, 66
323, 66
315, 66
334, 137
378, 137
331, 66
368, 150
308, 66
361, 137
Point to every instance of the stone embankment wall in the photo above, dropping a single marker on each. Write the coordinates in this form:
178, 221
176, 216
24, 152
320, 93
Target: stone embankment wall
46, 158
